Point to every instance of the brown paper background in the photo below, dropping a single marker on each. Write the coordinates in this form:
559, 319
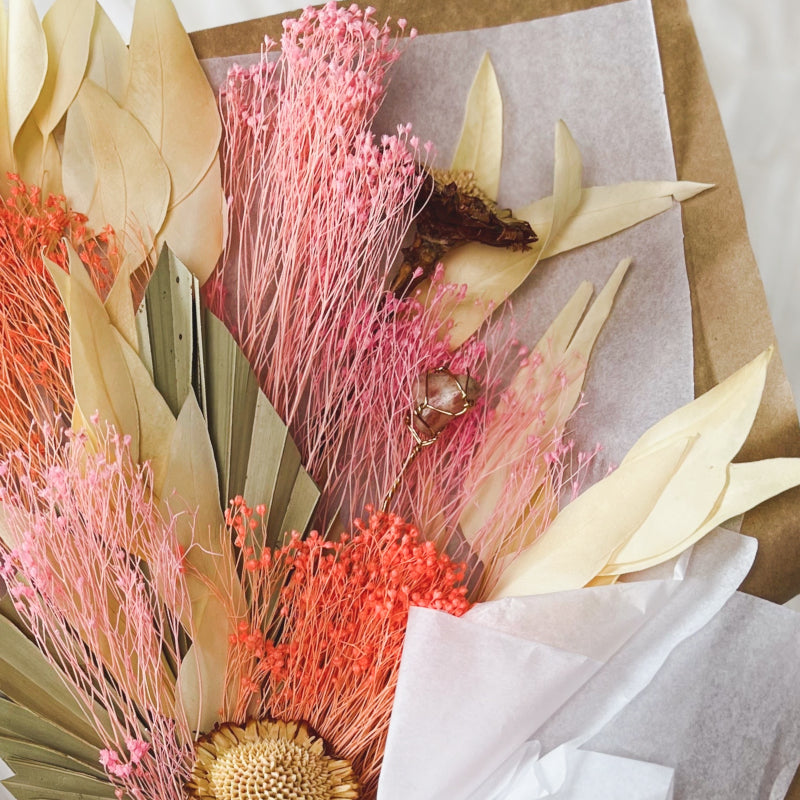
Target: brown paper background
729, 310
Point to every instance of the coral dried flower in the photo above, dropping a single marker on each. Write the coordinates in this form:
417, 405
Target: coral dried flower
342, 617
35, 372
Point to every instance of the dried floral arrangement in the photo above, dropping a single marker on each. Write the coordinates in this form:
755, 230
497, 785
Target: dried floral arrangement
212, 525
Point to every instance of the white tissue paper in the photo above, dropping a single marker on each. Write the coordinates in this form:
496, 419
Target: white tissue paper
632, 691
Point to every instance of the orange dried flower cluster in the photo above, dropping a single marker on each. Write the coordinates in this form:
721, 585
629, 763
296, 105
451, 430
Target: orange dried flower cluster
342, 616
35, 372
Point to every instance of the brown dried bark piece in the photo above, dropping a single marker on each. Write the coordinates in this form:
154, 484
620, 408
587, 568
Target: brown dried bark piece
453, 211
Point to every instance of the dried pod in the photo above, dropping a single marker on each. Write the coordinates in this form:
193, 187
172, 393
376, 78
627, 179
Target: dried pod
440, 397
268, 759
455, 211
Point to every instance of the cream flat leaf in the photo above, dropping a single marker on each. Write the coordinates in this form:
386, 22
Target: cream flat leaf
490, 275
100, 376
721, 420
168, 93
67, 28
27, 63
132, 188
727, 412
581, 539
119, 306
566, 345
6, 157
480, 146
191, 482
193, 228
606, 210
37, 158
78, 169
108, 57
748, 484
155, 421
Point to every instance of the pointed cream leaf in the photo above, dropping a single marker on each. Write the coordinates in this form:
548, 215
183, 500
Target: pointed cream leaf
78, 169
131, 186
193, 228
486, 491
6, 157
585, 337
100, 376
721, 420
119, 306
27, 63
480, 146
156, 425
566, 346
751, 483
726, 412
191, 481
579, 543
108, 57
168, 93
491, 275
603, 580
557, 337
67, 27
37, 158
573, 360
606, 210
748, 485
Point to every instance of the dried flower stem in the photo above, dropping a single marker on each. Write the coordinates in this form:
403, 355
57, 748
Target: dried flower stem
35, 369
95, 572
342, 618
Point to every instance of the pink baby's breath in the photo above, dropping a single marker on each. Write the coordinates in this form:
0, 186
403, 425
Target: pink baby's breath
95, 572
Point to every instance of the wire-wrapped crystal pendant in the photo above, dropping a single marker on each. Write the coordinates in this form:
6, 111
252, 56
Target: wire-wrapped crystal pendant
440, 398
268, 760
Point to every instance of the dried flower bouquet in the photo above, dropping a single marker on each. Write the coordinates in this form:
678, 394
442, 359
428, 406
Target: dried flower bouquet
262, 406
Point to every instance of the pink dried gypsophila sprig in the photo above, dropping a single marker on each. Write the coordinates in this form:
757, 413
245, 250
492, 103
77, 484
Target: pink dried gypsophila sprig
318, 210
342, 616
96, 574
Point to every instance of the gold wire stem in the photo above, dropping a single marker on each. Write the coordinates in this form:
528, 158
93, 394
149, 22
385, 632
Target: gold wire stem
412, 454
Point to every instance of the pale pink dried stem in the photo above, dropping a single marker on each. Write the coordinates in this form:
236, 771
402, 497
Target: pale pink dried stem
526, 450
96, 573
319, 210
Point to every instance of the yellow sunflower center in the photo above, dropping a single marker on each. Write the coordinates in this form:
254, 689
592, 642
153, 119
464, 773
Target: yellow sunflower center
268, 760
274, 768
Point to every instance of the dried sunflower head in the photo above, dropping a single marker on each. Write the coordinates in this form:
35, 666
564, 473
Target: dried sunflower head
268, 760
